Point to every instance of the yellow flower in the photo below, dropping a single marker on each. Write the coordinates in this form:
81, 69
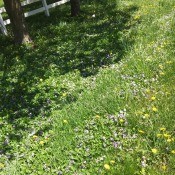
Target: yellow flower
160, 66
146, 115
169, 140
167, 135
97, 116
169, 62
162, 129
147, 90
162, 73
112, 161
121, 120
65, 121
154, 109
140, 131
106, 166
159, 135
64, 94
41, 142
154, 150
164, 167
173, 151
35, 136
153, 98
2, 165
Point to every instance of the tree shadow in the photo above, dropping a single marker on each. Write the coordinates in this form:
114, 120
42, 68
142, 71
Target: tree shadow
62, 45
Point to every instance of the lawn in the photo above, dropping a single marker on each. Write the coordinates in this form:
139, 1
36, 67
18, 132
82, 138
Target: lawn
1, 3
96, 95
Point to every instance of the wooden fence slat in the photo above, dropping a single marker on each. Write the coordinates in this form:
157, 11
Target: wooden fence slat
28, 2
57, 3
2, 25
45, 8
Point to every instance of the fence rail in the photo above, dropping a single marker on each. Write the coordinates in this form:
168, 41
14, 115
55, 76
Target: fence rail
45, 7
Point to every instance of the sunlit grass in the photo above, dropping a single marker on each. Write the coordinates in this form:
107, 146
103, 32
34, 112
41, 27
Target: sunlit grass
96, 96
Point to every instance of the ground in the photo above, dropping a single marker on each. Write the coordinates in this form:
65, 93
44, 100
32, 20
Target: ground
95, 95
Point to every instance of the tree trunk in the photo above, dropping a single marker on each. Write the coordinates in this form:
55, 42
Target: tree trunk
75, 7
16, 15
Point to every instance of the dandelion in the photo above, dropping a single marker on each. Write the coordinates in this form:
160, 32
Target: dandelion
121, 121
160, 66
2, 165
112, 161
153, 98
159, 135
169, 140
164, 167
140, 131
106, 166
148, 91
162, 73
64, 94
162, 129
173, 151
97, 116
168, 62
146, 115
35, 136
41, 142
167, 135
154, 151
65, 121
154, 109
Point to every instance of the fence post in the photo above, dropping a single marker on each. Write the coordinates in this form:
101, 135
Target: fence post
46, 7
2, 25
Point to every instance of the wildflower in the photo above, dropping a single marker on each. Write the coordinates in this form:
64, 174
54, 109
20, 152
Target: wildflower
173, 151
162, 129
65, 121
160, 66
41, 142
154, 151
106, 166
64, 94
162, 73
164, 167
35, 136
169, 62
112, 161
146, 115
153, 98
140, 131
121, 120
147, 90
167, 135
169, 140
154, 109
2, 165
159, 135
97, 116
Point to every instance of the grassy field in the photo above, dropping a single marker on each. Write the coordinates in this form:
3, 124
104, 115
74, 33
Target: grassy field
95, 96
1, 3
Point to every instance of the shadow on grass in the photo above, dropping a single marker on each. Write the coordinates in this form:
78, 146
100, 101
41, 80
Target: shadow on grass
62, 45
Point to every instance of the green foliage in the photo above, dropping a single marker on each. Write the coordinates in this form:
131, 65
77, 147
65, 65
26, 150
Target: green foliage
95, 95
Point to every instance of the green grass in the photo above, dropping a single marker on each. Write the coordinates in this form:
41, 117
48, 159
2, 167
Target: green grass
1, 3
95, 96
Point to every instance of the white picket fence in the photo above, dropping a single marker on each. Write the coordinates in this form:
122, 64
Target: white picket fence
45, 7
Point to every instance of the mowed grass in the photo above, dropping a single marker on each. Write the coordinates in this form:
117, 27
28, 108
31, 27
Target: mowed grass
97, 94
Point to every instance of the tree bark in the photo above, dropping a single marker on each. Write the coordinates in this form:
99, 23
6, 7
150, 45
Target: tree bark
75, 7
16, 15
